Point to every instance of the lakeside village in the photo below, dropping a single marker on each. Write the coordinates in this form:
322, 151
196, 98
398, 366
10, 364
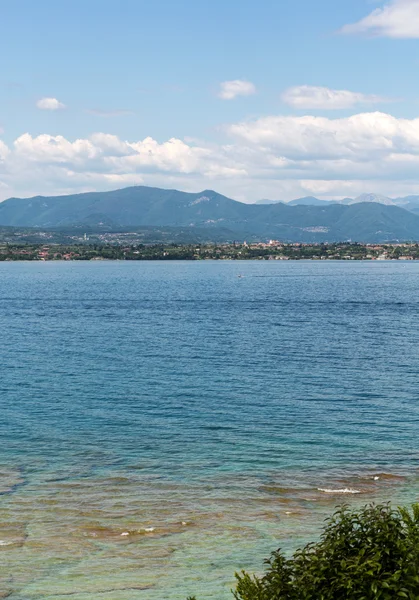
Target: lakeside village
272, 250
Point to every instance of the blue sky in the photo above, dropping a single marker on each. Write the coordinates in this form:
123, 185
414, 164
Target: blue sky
252, 98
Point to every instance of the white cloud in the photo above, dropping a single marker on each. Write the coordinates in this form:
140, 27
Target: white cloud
396, 19
360, 137
53, 149
49, 104
231, 89
313, 97
276, 156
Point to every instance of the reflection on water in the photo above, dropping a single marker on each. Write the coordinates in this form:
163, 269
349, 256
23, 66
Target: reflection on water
164, 425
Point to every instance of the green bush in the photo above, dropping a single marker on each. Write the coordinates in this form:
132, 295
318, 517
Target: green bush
371, 554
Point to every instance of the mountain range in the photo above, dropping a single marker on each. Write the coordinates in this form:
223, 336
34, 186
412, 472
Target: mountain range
368, 218
408, 202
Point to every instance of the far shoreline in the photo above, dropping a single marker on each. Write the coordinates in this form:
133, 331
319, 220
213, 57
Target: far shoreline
238, 252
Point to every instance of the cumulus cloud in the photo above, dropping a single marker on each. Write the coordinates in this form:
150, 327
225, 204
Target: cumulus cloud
51, 164
53, 149
314, 97
312, 137
396, 19
49, 104
275, 156
231, 89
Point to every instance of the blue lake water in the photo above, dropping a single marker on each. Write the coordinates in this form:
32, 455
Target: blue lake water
163, 424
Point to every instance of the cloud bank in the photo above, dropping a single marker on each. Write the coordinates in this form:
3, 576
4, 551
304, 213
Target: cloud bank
275, 156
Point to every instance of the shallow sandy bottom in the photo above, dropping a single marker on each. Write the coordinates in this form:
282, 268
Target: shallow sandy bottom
130, 535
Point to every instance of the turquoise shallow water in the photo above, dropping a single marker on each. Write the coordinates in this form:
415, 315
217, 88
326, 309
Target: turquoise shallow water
165, 424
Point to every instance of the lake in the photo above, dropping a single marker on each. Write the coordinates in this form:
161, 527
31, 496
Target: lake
164, 424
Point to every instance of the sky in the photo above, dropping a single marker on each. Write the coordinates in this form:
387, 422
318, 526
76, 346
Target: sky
266, 99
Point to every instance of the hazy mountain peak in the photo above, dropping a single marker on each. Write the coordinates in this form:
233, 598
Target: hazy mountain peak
266, 201
372, 198
310, 201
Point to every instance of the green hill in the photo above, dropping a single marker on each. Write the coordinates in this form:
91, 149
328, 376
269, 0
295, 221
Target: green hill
153, 207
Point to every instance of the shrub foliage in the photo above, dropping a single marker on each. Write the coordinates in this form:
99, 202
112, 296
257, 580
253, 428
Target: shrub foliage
370, 554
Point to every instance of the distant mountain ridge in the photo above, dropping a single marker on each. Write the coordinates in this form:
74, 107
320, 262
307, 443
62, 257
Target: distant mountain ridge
309, 201
140, 206
408, 202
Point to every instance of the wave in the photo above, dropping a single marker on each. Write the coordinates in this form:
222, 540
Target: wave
339, 491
